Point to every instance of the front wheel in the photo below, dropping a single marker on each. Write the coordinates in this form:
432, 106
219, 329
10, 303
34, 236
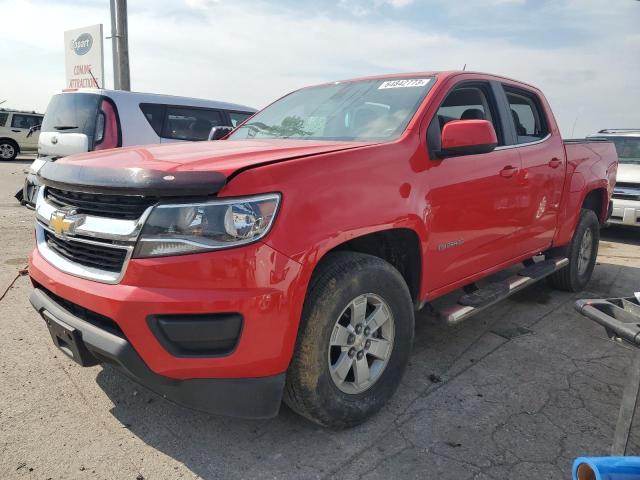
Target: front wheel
354, 342
582, 253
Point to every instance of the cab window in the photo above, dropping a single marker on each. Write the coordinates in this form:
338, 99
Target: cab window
465, 102
526, 115
3, 119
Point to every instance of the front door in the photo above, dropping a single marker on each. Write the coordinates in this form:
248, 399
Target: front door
472, 199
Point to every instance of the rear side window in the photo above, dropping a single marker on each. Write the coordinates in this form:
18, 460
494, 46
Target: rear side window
154, 113
25, 121
183, 123
3, 119
527, 115
238, 117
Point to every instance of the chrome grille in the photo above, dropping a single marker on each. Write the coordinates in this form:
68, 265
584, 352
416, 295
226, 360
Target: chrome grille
88, 254
96, 247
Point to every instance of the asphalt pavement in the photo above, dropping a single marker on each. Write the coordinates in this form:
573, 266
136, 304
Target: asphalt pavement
516, 392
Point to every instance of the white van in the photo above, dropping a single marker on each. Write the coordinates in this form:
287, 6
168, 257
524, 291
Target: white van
90, 119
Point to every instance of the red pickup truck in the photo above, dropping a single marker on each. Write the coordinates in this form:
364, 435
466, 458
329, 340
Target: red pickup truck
286, 260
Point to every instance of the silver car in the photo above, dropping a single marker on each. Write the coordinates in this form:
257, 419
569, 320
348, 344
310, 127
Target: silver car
87, 119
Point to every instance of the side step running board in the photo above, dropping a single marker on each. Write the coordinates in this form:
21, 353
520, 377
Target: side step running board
472, 303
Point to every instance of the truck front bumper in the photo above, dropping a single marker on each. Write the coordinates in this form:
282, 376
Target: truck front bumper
117, 323
625, 212
239, 397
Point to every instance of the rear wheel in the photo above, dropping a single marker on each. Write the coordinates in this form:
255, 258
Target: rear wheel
8, 150
355, 338
582, 253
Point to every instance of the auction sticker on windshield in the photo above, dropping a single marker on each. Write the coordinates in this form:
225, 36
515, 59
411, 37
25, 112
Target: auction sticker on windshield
406, 83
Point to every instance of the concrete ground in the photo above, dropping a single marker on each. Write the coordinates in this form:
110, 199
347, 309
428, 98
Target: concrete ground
517, 392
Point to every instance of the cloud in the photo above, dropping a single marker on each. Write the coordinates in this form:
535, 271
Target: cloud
361, 8
253, 52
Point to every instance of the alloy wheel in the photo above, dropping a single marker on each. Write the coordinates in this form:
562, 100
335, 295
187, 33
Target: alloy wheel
361, 344
584, 254
6, 151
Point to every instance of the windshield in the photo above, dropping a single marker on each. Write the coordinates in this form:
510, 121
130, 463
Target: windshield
628, 149
352, 111
72, 113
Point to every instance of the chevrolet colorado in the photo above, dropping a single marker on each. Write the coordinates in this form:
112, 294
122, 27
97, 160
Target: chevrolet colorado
286, 260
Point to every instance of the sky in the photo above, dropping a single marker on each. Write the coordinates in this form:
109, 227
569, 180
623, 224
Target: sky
583, 54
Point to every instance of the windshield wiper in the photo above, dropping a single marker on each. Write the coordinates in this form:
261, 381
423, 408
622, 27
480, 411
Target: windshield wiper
65, 127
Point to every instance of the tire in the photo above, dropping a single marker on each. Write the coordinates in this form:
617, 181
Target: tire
582, 253
8, 150
344, 284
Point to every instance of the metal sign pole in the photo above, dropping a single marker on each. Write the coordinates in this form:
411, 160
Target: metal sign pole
114, 47
120, 45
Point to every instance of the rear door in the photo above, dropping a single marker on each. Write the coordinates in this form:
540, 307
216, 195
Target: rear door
543, 162
472, 199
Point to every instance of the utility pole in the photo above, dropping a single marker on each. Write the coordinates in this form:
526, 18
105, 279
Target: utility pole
120, 45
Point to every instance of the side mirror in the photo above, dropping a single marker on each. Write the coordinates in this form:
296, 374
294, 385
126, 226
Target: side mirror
217, 133
467, 137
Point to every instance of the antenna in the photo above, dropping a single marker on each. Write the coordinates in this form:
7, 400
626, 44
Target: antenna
576, 120
94, 79
465, 67
2, 102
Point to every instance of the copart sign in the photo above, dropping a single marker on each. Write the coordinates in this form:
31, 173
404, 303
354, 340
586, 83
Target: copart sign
84, 57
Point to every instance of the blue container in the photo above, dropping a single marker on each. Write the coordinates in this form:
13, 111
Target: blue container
606, 468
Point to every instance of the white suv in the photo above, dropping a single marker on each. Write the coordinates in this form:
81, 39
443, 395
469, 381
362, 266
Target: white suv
90, 119
14, 132
626, 195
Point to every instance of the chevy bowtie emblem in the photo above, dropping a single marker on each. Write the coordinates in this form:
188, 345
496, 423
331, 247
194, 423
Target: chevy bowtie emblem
62, 222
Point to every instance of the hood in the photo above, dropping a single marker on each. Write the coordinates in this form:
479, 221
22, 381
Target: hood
177, 169
628, 173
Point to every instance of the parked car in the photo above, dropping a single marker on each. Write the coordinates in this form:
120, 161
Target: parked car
625, 208
288, 258
15, 126
88, 119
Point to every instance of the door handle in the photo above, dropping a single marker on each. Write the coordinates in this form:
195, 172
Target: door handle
16, 131
508, 171
555, 162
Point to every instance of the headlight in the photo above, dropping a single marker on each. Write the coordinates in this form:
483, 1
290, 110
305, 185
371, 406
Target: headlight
199, 227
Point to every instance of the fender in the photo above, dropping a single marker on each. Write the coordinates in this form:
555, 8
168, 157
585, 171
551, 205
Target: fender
573, 206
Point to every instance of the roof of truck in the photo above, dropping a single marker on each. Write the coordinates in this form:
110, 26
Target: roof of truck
441, 74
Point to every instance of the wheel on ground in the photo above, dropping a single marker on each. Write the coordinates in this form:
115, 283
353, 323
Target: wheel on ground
582, 253
354, 341
8, 150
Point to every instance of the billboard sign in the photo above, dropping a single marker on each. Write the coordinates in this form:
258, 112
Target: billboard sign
84, 57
